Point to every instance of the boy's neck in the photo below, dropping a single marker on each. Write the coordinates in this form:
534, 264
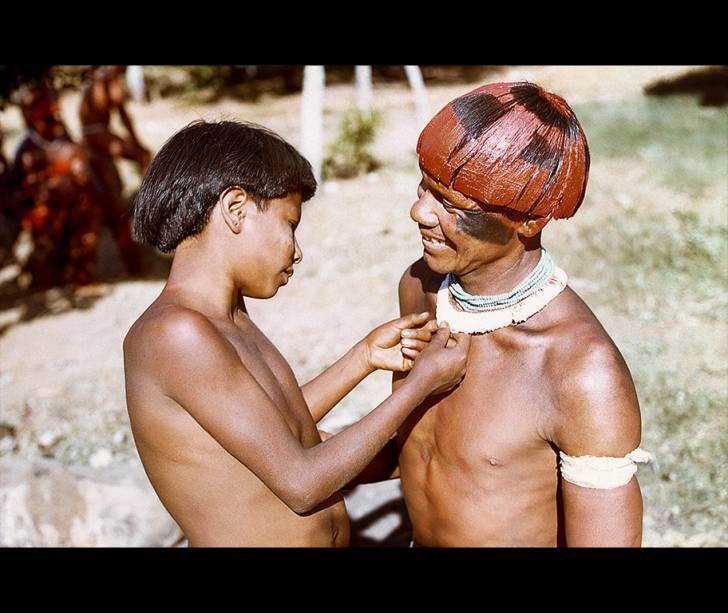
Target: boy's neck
203, 281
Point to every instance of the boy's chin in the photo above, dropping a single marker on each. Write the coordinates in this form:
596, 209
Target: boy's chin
273, 289
262, 293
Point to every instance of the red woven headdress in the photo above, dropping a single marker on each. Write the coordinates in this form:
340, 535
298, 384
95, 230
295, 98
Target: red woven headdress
511, 145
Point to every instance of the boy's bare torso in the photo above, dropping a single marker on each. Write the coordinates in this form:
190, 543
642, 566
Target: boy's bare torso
214, 498
476, 465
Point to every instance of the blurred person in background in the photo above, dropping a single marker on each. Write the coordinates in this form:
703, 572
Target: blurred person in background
104, 94
58, 199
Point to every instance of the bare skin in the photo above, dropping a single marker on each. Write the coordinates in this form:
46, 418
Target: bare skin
225, 433
478, 465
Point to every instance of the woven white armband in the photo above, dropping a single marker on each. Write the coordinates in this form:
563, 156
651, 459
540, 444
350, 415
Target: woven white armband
601, 472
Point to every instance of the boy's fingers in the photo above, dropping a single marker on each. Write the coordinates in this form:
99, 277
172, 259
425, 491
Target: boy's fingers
421, 334
411, 320
431, 326
442, 334
410, 353
413, 343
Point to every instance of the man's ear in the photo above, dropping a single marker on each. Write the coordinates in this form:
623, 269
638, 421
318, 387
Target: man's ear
232, 203
531, 227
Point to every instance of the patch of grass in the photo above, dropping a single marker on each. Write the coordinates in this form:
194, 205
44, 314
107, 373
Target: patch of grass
350, 154
684, 144
670, 263
686, 483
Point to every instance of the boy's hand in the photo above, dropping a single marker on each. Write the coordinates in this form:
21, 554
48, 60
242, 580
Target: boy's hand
441, 367
396, 344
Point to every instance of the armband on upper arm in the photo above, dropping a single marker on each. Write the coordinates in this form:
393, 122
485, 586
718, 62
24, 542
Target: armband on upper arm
601, 472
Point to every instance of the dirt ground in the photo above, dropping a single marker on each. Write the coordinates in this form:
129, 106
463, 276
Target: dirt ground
61, 355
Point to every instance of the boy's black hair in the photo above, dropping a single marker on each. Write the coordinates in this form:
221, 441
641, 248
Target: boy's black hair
198, 163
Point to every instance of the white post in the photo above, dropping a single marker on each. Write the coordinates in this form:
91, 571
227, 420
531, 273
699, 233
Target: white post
135, 82
363, 88
312, 107
422, 112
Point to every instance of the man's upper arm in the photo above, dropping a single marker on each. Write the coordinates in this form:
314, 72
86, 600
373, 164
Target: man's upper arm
598, 415
200, 370
412, 299
412, 288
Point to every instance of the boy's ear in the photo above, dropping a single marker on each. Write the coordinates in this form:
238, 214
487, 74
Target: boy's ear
232, 203
533, 226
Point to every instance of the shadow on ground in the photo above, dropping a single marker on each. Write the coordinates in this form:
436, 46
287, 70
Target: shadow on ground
710, 84
19, 304
400, 537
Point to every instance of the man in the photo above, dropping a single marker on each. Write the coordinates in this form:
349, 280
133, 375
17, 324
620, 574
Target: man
537, 446
103, 95
225, 433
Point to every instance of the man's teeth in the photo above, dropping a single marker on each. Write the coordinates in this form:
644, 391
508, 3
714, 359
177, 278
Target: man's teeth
434, 240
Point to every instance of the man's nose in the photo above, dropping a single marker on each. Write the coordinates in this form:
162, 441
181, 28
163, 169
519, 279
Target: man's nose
422, 212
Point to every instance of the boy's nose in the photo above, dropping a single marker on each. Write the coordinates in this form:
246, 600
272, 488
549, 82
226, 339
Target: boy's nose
298, 254
422, 212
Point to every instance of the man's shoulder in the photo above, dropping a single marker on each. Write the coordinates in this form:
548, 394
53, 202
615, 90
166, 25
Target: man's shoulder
416, 283
596, 405
581, 351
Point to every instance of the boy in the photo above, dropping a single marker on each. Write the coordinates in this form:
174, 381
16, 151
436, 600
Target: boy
226, 435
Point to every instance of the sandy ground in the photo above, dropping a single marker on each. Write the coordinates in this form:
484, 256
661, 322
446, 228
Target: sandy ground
61, 360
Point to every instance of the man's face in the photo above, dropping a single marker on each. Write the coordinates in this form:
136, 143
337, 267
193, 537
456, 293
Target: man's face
271, 246
457, 234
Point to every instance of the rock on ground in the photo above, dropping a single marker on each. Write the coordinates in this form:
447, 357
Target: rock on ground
111, 507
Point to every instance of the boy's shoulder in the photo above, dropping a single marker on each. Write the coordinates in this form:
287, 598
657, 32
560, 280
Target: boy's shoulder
170, 328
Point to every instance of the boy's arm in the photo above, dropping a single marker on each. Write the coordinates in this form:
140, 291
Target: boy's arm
381, 348
411, 300
200, 370
599, 416
384, 466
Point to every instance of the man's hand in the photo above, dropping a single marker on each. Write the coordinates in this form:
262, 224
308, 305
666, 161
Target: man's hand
396, 344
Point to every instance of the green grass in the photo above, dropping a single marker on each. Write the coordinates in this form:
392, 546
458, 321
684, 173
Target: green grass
671, 262
683, 143
685, 429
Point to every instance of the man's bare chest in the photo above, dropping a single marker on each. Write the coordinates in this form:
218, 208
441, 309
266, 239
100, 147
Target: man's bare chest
497, 415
